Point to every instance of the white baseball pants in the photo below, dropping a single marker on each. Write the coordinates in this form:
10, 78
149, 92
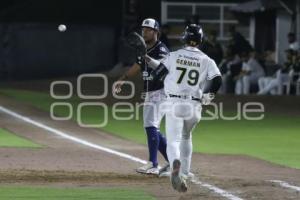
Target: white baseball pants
181, 117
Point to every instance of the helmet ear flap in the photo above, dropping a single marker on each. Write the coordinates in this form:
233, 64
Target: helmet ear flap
183, 37
193, 43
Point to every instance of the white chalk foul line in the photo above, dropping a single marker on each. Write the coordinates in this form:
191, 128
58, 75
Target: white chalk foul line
217, 190
69, 137
123, 155
286, 185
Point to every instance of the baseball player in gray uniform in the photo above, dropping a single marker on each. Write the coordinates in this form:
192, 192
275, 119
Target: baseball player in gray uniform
154, 96
187, 71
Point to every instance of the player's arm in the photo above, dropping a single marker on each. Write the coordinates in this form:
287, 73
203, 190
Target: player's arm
209, 95
159, 73
133, 71
161, 70
154, 63
151, 62
216, 81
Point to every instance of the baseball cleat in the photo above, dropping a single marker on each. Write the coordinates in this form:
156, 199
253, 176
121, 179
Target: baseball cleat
178, 182
189, 177
148, 169
165, 168
165, 174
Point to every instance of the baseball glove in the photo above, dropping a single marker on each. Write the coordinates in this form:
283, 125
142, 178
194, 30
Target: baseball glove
137, 42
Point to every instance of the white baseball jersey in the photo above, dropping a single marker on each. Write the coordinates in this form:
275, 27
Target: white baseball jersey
189, 68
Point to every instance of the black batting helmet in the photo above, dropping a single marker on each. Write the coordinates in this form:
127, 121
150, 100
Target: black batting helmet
192, 35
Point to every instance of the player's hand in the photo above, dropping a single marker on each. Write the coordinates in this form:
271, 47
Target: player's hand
147, 58
118, 87
207, 98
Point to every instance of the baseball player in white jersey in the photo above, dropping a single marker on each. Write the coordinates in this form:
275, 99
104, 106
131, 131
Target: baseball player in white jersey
187, 71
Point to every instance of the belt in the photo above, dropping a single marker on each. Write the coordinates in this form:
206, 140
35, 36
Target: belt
184, 97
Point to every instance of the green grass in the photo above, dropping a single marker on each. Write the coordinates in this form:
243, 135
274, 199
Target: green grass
47, 193
275, 138
8, 139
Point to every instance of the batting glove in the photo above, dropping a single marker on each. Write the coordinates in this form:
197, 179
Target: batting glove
207, 98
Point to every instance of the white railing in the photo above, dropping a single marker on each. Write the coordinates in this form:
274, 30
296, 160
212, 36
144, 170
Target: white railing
221, 21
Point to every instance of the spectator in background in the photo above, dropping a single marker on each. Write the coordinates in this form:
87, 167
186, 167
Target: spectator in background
212, 47
164, 32
249, 75
296, 69
274, 85
297, 64
270, 71
229, 67
293, 43
239, 44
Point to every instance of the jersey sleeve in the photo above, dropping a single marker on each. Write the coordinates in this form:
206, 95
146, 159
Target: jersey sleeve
167, 61
163, 53
213, 69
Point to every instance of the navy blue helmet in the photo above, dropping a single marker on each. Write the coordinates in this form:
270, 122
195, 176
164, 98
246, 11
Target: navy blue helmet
151, 23
192, 34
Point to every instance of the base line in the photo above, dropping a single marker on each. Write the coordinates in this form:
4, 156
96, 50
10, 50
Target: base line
217, 190
286, 185
69, 137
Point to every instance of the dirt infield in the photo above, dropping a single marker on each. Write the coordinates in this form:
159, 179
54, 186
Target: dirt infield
62, 162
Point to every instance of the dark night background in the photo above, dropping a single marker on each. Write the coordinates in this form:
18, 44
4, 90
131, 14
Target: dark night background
32, 47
